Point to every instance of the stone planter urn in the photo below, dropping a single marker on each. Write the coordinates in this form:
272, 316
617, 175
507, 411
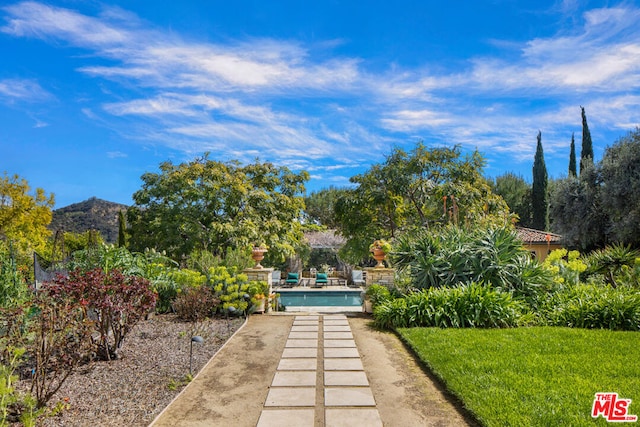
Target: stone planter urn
257, 254
379, 255
379, 250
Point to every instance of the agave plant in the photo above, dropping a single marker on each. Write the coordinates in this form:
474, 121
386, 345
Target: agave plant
454, 256
611, 261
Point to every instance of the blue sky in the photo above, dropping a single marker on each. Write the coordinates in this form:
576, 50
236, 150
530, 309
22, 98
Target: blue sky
93, 95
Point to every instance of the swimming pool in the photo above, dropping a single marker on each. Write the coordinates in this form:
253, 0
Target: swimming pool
320, 298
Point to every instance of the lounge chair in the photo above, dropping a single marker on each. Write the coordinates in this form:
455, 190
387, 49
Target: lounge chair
358, 277
293, 279
321, 279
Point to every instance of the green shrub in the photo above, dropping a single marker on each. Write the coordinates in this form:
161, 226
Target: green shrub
595, 307
473, 305
231, 287
378, 294
454, 256
566, 266
13, 288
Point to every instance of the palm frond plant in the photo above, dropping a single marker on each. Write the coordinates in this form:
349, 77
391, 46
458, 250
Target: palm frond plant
611, 262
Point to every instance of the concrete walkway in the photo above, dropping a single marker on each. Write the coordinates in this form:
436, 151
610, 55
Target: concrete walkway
320, 375
311, 370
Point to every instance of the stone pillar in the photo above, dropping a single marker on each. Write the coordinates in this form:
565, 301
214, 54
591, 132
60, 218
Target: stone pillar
261, 275
380, 276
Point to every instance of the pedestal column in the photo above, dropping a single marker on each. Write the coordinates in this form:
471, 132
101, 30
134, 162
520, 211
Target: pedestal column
261, 275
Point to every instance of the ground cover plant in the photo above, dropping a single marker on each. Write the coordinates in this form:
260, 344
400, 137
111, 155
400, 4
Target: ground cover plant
473, 305
537, 376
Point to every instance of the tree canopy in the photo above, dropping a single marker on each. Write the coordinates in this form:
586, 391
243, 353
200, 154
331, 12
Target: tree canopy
423, 188
576, 212
320, 206
620, 195
24, 216
214, 206
516, 192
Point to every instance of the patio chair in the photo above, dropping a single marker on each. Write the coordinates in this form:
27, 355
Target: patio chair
358, 277
293, 279
276, 277
321, 279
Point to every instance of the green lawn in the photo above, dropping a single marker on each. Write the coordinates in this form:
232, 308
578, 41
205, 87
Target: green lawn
540, 376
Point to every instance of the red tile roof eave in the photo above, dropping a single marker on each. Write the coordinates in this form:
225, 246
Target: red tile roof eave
531, 236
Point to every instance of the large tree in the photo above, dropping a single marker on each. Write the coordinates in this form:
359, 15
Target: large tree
320, 206
586, 154
24, 215
576, 211
572, 157
516, 192
213, 206
424, 188
539, 197
620, 195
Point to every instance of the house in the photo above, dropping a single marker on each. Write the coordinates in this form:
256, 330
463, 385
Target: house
539, 243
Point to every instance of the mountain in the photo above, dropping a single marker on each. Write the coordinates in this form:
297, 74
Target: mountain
93, 213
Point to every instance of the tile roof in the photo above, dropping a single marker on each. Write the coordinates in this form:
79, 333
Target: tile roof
324, 239
529, 235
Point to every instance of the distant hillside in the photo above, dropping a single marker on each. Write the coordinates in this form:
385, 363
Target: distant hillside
91, 214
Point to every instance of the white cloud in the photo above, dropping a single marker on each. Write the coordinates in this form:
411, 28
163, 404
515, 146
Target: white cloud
23, 89
32, 19
282, 100
116, 154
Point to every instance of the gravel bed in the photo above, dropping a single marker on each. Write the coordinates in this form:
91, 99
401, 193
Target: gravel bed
151, 370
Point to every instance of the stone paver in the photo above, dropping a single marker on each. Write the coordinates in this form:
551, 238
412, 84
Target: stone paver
347, 378
336, 322
303, 335
301, 343
339, 343
287, 418
338, 336
300, 352
341, 352
338, 328
299, 364
348, 396
305, 328
349, 417
291, 396
294, 378
343, 364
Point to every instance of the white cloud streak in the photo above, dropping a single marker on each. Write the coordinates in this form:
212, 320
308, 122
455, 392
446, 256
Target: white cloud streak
26, 90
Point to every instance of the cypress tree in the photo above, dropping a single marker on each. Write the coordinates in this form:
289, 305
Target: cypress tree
572, 157
539, 197
586, 155
122, 230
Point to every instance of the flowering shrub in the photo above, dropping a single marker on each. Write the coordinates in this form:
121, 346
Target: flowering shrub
565, 265
114, 301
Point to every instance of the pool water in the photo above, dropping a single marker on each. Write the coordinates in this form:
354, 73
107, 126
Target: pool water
320, 298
